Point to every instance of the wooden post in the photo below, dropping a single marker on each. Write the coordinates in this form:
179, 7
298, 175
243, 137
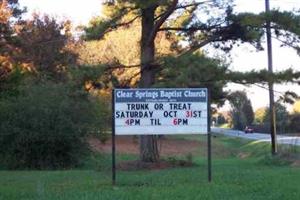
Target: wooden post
271, 86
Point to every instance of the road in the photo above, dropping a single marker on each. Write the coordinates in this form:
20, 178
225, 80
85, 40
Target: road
262, 137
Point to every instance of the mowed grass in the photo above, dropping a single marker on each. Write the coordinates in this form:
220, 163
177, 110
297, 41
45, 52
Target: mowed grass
244, 173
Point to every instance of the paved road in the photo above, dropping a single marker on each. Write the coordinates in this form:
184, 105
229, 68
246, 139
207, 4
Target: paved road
262, 137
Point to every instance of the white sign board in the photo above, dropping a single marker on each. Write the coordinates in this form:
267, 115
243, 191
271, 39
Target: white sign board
160, 111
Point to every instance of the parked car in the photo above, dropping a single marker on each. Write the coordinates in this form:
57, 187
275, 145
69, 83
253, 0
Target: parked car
249, 129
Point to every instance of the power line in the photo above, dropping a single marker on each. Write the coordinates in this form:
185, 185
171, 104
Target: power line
263, 87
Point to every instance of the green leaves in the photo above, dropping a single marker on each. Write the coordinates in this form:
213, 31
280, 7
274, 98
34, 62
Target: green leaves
98, 26
187, 20
113, 16
263, 76
45, 126
249, 27
287, 21
193, 70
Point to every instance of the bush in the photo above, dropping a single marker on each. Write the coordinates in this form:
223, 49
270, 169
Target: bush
46, 125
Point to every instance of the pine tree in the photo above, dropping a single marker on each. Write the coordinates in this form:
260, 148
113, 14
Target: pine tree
179, 18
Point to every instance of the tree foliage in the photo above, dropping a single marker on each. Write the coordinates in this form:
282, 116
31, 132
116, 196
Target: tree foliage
194, 70
282, 117
294, 124
296, 107
120, 51
34, 45
46, 125
178, 20
260, 114
47, 110
281, 114
9, 12
221, 26
43, 43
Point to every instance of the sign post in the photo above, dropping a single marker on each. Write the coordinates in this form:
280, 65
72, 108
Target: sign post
113, 152
209, 138
160, 112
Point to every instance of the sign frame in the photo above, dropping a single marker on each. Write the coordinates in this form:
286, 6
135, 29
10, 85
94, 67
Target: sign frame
165, 111
208, 102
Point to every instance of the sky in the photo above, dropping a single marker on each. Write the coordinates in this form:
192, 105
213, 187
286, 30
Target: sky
244, 58
80, 12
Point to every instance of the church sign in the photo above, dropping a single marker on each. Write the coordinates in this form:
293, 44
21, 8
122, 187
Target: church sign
160, 111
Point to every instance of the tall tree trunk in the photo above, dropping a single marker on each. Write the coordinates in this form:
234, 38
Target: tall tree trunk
148, 144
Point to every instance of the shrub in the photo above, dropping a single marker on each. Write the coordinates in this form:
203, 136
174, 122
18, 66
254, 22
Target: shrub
46, 125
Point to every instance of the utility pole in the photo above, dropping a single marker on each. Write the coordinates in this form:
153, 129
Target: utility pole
271, 90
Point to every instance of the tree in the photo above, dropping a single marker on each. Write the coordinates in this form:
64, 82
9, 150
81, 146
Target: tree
242, 112
281, 116
9, 13
179, 18
294, 125
296, 107
43, 41
47, 124
113, 50
260, 114
194, 70
221, 119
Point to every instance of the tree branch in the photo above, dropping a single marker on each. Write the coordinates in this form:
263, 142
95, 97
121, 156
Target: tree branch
119, 25
121, 66
202, 27
126, 23
289, 44
190, 29
199, 45
193, 29
184, 6
191, 5
162, 19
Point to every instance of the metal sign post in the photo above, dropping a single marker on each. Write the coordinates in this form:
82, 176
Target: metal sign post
209, 137
113, 151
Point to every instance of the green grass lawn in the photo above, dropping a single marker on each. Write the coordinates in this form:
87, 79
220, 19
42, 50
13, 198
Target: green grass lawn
242, 173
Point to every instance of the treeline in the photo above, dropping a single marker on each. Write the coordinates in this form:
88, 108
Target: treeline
55, 89
286, 122
47, 109
242, 114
